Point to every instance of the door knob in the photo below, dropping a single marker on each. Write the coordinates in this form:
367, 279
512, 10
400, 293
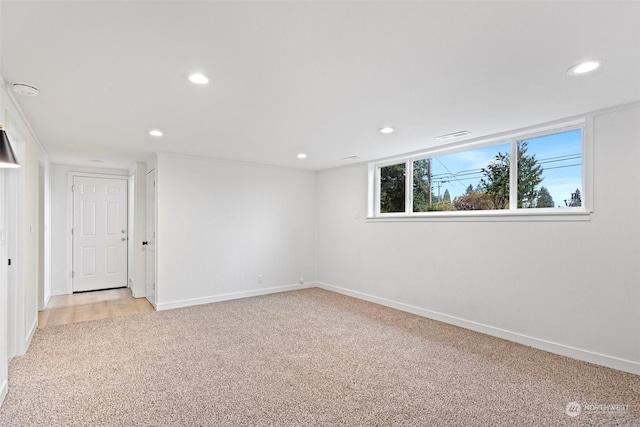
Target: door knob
124, 231
123, 239
145, 243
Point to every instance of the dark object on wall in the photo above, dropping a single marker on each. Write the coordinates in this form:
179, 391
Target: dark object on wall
7, 156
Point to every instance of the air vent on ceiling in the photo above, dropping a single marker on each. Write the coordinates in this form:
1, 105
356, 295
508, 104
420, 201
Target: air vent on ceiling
453, 135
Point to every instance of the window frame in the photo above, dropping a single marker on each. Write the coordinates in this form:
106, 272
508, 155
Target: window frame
514, 213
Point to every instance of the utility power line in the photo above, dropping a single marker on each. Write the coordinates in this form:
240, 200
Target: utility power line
476, 174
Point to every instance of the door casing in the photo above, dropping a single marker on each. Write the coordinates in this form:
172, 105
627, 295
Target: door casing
151, 290
71, 175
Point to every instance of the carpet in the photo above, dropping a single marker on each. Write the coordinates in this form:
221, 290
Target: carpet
302, 358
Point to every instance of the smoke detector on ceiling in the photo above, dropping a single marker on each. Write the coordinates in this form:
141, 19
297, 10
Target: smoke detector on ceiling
25, 89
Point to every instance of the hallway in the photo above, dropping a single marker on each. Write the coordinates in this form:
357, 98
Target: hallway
74, 308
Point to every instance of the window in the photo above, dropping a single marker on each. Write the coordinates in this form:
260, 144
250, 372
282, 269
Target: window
547, 177
550, 171
454, 182
392, 188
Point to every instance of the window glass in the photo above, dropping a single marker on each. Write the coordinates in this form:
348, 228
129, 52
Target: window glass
392, 188
550, 171
470, 180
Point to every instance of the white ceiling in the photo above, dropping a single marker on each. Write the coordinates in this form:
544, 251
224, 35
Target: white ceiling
303, 76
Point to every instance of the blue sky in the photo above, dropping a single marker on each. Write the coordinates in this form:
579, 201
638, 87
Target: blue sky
558, 154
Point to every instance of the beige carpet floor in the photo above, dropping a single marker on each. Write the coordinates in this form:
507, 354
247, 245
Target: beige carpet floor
303, 358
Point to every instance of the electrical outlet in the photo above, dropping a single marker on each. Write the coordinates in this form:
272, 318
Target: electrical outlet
302, 281
259, 278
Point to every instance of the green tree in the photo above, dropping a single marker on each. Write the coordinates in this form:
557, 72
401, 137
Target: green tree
446, 197
422, 191
473, 201
496, 178
442, 206
576, 199
392, 185
469, 189
496, 181
544, 199
529, 176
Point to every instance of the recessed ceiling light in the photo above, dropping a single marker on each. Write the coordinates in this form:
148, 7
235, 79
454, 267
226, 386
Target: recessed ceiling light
199, 79
453, 135
585, 67
386, 129
302, 156
155, 132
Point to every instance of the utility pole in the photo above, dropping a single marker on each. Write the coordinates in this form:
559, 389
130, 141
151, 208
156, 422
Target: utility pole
429, 180
439, 184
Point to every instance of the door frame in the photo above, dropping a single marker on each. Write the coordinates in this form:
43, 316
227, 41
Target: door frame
44, 281
70, 177
151, 262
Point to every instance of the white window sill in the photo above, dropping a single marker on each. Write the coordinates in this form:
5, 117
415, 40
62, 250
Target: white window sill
541, 215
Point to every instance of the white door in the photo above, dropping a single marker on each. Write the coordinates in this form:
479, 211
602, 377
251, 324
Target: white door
99, 233
150, 243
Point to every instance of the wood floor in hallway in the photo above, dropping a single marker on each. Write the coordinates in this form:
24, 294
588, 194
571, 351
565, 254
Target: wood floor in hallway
74, 308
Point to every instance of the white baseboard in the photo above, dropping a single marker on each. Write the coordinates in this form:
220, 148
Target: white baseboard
138, 294
47, 298
231, 296
552, 347
22, 348
3, 391
32, 332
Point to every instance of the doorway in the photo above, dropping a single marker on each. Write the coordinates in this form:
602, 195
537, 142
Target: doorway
42, 285
81, 307
99, 233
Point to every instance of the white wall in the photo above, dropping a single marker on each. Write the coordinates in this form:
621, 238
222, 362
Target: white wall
137, 230
21, 225
568, 287
221, 224
4, 364
4, 354
61, 203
